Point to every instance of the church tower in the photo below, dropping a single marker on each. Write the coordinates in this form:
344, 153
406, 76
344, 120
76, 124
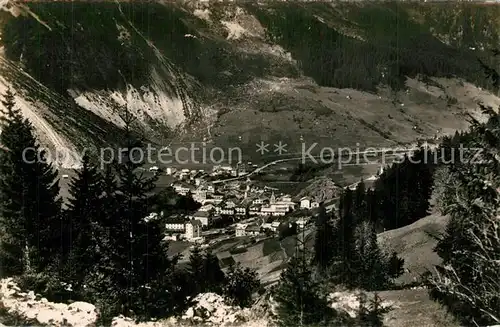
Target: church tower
247, 188
273, 199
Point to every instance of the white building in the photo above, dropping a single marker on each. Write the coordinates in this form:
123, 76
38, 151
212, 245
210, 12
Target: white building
259, 201
241, 211
240, 230
230, 205
193, 230
305, 203
182, 188
171, 170
227, 211
173, 237
267, 226
252, 230
302, 222
219, 197
214, 198
274, 210
226, 168
208, 208
254, 210
176, 224
204, 217
275, 225
200, 195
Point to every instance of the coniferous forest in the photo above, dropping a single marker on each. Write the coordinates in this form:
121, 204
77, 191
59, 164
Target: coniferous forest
102, 246
99, 248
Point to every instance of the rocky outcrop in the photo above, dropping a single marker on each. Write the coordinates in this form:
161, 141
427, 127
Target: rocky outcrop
33, 308
321, 189
348, 302
209, 309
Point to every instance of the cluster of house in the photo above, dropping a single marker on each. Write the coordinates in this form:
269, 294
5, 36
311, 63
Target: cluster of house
219, 170
254, 229
218, 203
190, 226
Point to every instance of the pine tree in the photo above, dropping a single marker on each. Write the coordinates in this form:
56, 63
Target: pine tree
300, 302
467, 281
342, 270
214, 276
139, 266
359, 203
403, 191
357, 260
371, 313
324, 243
196, 270
29, 190
84, 218
369, 266
205, 272
241, 285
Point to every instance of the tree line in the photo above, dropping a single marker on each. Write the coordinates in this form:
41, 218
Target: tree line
99, 248
346, 253
335, 262
467, 191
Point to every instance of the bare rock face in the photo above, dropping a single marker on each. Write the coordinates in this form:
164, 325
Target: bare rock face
26, 306
321, 189
209, 309
348, 302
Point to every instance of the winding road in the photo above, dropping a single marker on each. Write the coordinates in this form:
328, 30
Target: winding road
394, 151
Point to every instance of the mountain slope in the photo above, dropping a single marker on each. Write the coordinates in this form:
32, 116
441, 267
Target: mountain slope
249, 72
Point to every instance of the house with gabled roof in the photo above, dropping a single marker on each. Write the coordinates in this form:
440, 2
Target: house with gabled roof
175, 224
240, 230
208, 208
252, 230
193, 229
241, 210
254, 210
305, 202
203, 216
183, 188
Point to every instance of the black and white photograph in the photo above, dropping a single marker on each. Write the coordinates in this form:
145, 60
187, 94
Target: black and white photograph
249, 163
